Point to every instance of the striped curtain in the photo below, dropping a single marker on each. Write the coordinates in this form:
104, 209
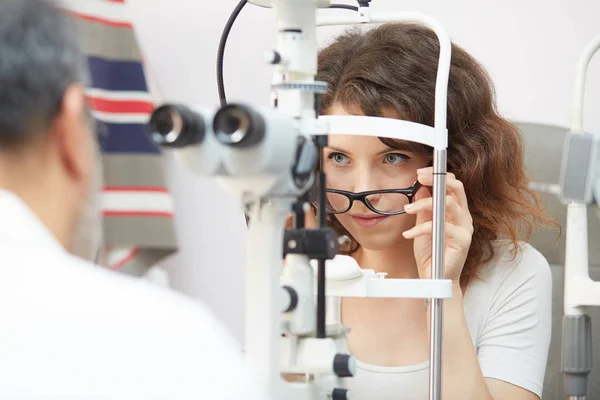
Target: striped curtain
138, 209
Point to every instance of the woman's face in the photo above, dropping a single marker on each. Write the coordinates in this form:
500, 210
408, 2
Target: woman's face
363, 163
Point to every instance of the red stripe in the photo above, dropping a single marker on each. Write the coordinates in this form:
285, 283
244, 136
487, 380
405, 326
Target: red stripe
154, 214
93, 18
126, 260
136, 189
120, 106
116, 1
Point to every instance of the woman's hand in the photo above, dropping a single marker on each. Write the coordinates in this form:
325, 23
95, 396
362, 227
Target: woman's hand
459, 226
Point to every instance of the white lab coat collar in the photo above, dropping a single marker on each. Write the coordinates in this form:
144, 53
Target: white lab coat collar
18, 223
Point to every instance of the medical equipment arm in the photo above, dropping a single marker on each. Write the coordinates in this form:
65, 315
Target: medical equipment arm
579, 187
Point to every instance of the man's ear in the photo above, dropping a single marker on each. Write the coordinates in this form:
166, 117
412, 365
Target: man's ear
72, 132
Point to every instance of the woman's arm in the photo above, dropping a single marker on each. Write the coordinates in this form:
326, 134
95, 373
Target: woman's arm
462, 376
461, 372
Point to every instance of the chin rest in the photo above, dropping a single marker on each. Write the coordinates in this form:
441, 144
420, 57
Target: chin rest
346, 279
341, 268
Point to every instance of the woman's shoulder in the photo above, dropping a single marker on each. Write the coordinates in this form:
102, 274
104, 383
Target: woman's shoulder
514, 266
513, 289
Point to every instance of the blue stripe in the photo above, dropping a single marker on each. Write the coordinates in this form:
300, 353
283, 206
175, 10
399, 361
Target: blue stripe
128, 138
117, 75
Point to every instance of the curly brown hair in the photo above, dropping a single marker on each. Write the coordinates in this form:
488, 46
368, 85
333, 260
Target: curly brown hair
394, 67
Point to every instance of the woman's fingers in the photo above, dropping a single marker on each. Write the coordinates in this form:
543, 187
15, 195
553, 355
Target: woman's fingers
422, 195
453, 185
454, 212
454, 232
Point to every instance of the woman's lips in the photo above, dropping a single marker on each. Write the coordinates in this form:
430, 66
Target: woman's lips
368, 221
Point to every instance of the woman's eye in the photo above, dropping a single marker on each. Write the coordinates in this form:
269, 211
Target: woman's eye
338, 158
395, 158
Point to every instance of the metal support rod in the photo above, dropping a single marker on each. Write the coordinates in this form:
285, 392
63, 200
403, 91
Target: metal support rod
321, 303
437, 271
298, 217
321, 279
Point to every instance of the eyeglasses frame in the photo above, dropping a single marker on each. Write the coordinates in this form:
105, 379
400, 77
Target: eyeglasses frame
409, 192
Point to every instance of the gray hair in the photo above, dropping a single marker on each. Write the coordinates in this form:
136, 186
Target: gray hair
40, 57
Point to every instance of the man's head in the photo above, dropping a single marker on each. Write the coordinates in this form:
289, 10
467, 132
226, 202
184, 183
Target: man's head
47, 143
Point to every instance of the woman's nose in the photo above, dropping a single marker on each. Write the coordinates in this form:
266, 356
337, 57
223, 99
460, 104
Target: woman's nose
364, 180
373, 199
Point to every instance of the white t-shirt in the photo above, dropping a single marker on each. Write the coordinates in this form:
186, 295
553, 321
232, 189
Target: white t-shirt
71, 330
508, 312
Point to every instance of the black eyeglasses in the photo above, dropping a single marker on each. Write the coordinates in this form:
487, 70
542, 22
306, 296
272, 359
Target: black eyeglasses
383, 202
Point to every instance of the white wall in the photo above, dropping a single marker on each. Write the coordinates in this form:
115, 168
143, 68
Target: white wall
529, 46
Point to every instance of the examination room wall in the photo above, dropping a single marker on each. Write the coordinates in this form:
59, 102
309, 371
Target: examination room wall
530, 47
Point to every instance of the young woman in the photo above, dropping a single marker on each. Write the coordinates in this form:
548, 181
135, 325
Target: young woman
497, 325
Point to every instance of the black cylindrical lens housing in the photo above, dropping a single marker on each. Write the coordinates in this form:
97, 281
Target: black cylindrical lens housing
176, 125
239, 126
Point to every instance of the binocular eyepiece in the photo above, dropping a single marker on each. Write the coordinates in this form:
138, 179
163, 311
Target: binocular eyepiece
176, 126
256, 150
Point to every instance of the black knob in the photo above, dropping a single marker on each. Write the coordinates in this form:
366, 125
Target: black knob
340, 394
344, 365
273, 57
293, 298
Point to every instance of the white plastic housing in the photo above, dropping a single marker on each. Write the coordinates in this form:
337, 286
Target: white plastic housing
273, 156
441, 86
269, 3
378, 127
580, 289
298, 274
311, 356
346, 279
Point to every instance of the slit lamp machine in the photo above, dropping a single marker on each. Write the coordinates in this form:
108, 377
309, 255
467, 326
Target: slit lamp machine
270, 158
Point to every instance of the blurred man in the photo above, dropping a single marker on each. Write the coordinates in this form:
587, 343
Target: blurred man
67, 328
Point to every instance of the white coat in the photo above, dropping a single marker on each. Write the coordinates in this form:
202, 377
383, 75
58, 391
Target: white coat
71, 330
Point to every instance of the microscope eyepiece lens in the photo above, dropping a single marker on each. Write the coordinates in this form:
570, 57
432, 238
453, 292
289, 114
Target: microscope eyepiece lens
176, 126
233, 125
166, 123
230, 125
238, 126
